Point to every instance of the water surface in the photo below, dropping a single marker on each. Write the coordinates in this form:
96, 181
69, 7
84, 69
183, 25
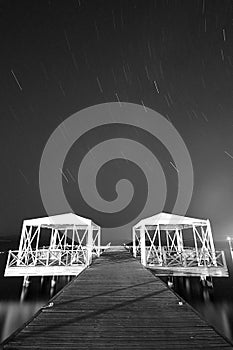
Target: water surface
17, 303
213, 302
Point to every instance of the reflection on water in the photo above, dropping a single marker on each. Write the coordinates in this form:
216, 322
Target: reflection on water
19, 302
13, 314
28, 299
213, 299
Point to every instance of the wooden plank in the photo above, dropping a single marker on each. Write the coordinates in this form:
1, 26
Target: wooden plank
116, 303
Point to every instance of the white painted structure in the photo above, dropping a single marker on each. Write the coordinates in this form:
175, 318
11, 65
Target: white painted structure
230, 239
160, 240
71, 242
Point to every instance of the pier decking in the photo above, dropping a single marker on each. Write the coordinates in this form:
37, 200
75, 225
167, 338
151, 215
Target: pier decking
116, 303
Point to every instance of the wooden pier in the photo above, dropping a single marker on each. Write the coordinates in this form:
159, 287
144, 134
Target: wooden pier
116, 303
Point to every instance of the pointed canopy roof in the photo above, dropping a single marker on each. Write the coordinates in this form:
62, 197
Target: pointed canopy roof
170, 221
61, 221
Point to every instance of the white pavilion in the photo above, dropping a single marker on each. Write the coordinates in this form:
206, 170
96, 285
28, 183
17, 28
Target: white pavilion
55, 245
178, 245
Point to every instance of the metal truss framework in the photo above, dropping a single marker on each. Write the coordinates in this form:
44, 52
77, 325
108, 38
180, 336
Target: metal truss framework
70, 250
162, 244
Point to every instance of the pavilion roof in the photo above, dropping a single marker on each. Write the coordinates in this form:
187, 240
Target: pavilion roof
61, 221
170, 221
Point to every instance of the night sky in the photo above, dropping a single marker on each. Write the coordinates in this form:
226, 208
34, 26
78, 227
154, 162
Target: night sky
59, 57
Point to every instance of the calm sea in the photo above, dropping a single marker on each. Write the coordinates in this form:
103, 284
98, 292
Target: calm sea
214, 303
17, 304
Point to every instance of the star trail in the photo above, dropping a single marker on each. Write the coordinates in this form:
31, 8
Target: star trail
58, 57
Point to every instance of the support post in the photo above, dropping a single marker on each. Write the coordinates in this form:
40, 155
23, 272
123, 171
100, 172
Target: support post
89, 244
181, 240
72, 245
26, 281
210, 236
99, 241
53, 281
196, 247
37, 243
8, 259
22, 238
55, 234
143, 245
230, 246
178, 240
167, 239
134, 243
160, 247
28, 245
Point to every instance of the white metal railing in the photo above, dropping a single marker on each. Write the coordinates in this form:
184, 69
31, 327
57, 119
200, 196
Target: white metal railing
188, 257
48, 257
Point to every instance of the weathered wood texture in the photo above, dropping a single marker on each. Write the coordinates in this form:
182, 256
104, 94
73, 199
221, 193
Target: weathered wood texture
117, 304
